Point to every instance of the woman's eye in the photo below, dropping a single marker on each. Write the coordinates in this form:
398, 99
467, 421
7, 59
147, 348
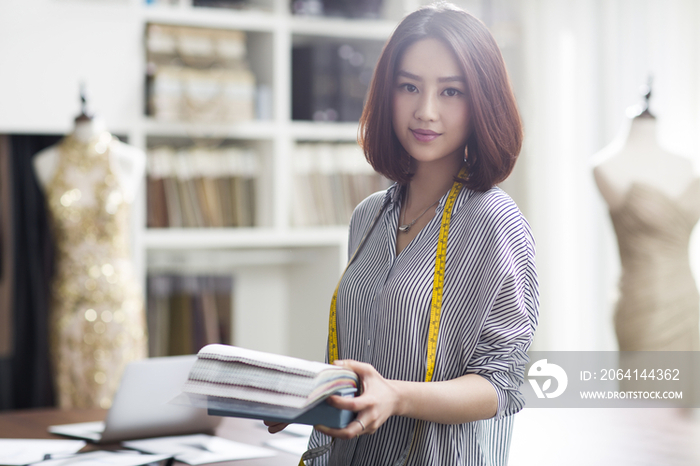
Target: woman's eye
451, 92
409, 87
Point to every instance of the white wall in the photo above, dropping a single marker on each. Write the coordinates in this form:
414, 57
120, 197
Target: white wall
584, 62
47, 47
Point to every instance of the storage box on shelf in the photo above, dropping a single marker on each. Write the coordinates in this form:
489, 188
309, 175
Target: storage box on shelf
330, 77
200, 75
188, 312
200, 187
330, 179
214, 5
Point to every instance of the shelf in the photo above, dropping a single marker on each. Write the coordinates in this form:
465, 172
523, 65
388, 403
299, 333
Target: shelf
343, 28
245, 20
213, 262
241, 238
312, 131
261, 21
255, 130
246, 130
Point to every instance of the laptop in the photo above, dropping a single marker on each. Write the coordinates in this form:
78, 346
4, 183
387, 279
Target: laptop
141, 408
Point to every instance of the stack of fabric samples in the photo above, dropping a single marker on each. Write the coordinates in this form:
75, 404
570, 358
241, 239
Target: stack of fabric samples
238, 382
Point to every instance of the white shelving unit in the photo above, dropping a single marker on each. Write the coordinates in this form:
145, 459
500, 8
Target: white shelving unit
283, 277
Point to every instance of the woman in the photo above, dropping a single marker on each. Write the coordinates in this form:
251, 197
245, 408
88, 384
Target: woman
442, 122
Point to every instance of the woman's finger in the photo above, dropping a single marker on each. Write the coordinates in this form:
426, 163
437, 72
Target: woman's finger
274, 427
352, 430
366, 372
360, 368
355, 404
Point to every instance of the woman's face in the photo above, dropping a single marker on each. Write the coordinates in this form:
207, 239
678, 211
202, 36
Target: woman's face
430, 108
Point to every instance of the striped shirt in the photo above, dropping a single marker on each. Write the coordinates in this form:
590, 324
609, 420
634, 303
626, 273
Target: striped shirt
488, 319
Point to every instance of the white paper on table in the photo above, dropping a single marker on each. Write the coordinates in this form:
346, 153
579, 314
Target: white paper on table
293, 445
87, 430
105, 458
199, 449
15, 452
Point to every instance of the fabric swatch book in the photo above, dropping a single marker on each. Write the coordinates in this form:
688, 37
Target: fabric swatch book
238, 382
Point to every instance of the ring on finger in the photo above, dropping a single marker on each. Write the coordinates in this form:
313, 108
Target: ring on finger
360, 422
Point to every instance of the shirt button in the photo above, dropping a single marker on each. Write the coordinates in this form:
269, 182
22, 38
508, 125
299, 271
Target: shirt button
368, 342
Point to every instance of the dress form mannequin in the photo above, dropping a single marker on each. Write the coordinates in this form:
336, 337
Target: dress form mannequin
654, 202
127, 162
97, 320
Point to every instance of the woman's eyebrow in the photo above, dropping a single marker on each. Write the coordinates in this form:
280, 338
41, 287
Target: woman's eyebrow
449, 79
408, 75
445, 79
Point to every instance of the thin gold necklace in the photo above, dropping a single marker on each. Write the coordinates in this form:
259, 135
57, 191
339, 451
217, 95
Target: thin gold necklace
407, 226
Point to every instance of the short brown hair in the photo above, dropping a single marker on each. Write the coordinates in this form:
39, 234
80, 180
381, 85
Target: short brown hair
496, 131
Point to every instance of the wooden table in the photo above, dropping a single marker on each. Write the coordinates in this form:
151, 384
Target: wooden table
33, 424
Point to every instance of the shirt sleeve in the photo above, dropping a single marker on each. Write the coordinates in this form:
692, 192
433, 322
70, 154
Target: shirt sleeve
500, 354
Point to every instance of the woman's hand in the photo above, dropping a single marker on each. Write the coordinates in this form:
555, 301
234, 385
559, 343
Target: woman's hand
379, 400
467, 398
274, 427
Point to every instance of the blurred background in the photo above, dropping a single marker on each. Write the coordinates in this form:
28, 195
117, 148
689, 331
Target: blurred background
247, 112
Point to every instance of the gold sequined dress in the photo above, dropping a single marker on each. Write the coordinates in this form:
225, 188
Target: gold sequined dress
97, 320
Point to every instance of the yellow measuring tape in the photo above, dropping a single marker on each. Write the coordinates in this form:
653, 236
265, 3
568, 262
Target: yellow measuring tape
439, 279
438, 285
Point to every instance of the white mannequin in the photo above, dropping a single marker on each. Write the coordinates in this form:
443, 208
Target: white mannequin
128, 163
654, 202
636, 157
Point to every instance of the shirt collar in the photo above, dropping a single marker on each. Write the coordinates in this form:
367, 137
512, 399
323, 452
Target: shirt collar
394, 193
464, 194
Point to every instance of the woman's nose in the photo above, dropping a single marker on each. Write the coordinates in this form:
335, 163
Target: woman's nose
427, 107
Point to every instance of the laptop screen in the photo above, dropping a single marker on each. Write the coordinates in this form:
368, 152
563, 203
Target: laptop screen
141, 407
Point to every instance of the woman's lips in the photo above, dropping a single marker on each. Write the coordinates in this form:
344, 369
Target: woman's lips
424, 135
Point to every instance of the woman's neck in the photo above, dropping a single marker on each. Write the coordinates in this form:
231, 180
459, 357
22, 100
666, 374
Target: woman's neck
431, 181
